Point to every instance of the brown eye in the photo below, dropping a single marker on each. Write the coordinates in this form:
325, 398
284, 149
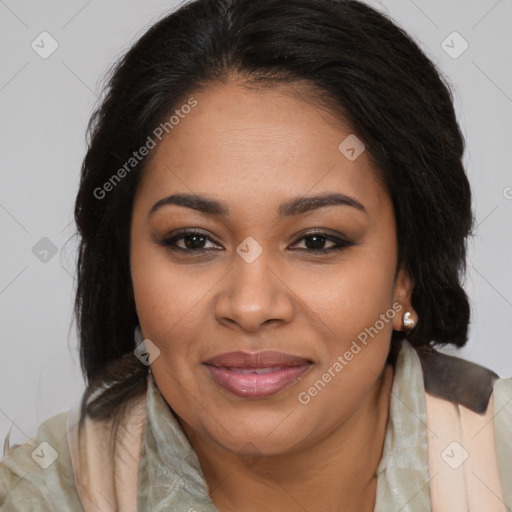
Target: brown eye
193, 241
188, 241
315, 243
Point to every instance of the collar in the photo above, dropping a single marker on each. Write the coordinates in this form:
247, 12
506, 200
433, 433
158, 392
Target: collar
170, 475
403, 470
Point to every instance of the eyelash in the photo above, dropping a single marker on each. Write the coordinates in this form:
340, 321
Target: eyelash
170, 242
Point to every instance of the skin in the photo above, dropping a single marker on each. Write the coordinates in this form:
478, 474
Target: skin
254, 150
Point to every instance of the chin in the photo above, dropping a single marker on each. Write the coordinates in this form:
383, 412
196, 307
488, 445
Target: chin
257, 434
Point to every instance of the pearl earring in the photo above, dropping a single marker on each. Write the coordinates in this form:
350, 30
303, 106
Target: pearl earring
407, 320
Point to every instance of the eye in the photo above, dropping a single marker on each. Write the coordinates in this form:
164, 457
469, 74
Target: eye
188, 241
315, 242
197, 242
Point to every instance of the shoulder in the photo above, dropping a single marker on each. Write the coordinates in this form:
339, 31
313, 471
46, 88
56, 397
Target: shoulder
503, 433
456, 380
37, 475
503, 414
471, 385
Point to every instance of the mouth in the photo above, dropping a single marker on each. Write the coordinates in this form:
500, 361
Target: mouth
256, 375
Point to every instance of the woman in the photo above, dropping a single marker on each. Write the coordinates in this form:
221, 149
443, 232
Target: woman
273, 215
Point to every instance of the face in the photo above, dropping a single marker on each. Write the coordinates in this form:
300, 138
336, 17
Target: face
272, 313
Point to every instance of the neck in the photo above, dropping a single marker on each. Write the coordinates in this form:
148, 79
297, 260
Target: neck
336, 474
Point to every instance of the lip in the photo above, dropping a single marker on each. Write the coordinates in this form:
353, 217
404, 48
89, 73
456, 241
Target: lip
256, 374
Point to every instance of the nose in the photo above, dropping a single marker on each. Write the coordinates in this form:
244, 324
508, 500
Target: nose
254, 295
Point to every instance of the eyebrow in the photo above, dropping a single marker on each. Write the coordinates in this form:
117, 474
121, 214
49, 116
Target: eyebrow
296, 206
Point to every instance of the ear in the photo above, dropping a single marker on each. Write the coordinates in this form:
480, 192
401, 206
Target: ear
402, 293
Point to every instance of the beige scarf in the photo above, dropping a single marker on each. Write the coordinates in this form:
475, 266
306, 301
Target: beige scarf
462, 461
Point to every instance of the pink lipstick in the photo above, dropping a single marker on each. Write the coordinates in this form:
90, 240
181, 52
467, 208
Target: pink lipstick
257, 374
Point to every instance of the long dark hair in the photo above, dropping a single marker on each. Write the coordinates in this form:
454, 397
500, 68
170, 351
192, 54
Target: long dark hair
362, 66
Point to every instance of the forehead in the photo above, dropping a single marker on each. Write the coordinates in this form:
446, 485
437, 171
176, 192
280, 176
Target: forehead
251, 147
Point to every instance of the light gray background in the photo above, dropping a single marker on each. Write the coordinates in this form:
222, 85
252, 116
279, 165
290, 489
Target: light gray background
45, 106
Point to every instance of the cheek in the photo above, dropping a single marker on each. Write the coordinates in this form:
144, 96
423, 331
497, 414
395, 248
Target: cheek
366, 290
355, 355
164, 300
370, 290
164, 305
355, 304
349, 297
